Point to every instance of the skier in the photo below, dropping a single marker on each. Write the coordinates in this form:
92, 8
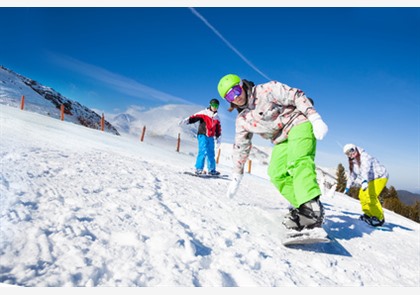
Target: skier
366, 171
287, 117
208, 130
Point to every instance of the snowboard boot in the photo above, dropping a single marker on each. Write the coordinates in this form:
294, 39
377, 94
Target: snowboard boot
376, 222
308, 216
198, 171
214, 172
373, 221
365, 218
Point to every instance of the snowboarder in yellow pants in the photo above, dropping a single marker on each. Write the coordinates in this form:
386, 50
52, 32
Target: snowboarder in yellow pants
366, 171
369, 198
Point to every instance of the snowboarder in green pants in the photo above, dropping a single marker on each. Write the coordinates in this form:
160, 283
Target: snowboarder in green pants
288, 118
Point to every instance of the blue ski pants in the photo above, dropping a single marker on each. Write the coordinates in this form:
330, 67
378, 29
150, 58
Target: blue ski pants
205, 151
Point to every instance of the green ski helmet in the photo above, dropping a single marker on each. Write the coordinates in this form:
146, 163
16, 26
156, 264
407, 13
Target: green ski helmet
226, 83
214, 101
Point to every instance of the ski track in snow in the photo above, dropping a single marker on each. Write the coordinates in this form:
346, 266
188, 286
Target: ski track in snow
107, 211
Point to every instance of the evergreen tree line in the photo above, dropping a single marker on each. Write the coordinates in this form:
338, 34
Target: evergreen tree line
388, 197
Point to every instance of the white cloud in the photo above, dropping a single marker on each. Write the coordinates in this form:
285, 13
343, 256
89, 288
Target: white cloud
115, 81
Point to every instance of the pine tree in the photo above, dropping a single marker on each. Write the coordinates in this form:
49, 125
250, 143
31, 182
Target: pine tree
385, 194
354, 192
341, 178
393, 193
414, 213
393, 203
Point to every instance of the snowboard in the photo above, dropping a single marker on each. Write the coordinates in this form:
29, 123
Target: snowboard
379, 227
222, 176
306, 236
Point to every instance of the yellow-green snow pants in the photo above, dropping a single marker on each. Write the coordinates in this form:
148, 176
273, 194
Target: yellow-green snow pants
292, 168
369, 198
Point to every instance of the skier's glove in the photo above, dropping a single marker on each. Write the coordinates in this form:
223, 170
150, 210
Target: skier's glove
184, 121
364, 185
234, 185
319, 127
346, 190
218, 142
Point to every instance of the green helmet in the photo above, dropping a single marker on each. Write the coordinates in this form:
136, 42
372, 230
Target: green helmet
214, 101
226, 83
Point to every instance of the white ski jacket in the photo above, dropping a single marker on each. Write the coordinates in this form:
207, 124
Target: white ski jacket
369, 169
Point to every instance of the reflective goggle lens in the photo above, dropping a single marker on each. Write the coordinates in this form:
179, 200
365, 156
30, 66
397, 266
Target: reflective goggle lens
349, 152
215, 105
233, 93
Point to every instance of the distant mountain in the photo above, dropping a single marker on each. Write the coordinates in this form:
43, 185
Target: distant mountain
161, 121
407, 197
45, 100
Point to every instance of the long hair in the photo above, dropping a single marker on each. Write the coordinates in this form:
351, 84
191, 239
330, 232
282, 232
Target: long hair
351, 161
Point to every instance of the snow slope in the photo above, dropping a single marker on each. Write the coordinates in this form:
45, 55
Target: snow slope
81, 207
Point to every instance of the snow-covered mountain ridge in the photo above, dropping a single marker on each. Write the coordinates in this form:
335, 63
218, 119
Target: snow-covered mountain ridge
45, 100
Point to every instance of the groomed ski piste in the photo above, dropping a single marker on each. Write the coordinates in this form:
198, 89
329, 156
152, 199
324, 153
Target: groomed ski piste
81, 207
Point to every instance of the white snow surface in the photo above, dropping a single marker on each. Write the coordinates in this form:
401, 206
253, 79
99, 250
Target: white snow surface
81, 207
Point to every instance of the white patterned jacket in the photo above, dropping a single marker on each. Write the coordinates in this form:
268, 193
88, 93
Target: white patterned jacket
273, 109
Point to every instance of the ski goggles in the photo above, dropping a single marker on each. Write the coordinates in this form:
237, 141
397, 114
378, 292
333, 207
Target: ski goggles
350, 152
214, 105
233, 93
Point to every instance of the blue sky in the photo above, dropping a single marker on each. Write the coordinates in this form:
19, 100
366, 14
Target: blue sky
360, 65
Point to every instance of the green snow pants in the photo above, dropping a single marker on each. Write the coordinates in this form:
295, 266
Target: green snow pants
292, 167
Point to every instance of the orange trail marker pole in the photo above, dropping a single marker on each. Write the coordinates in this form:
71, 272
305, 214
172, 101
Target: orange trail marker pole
249, 166
142, 134
178, 142
102, 122
22, 102
218, 156
62, 112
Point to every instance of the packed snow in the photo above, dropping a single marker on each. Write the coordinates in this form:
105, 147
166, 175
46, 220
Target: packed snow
81, 207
